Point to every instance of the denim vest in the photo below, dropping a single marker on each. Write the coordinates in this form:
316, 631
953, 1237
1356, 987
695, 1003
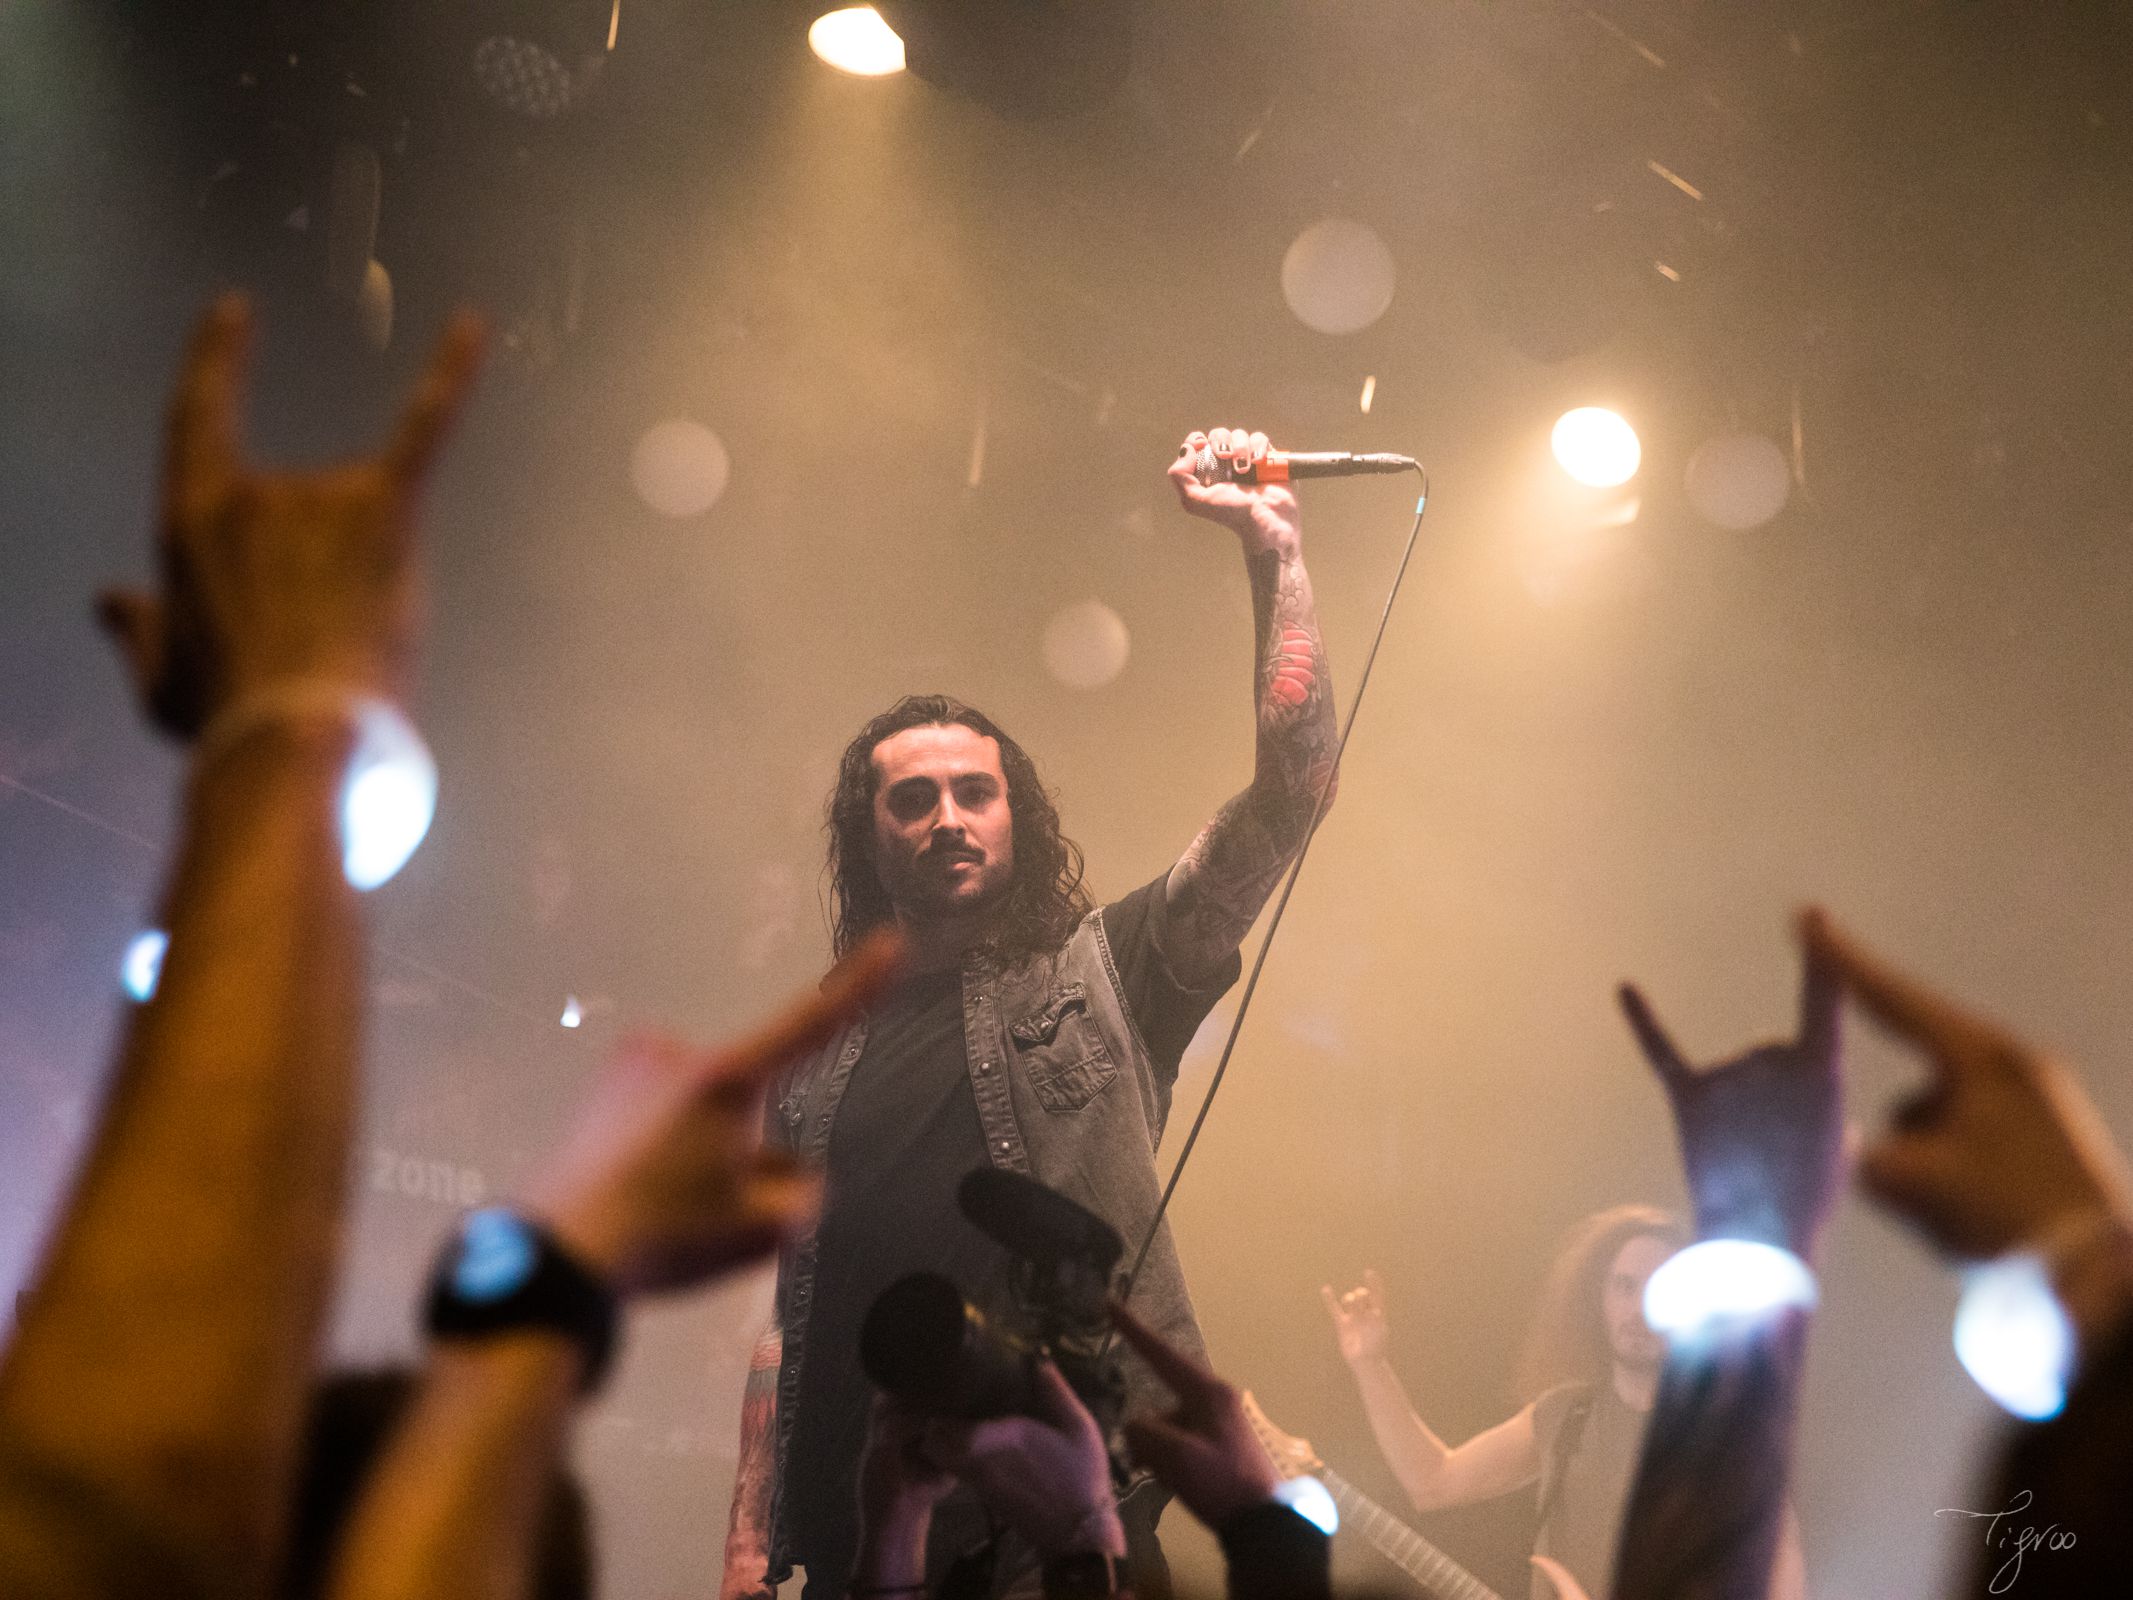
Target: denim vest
1066, 1092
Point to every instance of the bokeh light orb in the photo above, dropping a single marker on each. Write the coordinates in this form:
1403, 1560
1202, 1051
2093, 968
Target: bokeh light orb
854, 39
1337, 276
1086, 644
1700, 1291
1596, 447
1312, 1501
1738, 480
389, 799
679, 468
2013, 1337
143, 964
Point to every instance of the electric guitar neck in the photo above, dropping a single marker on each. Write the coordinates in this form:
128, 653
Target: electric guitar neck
1406, 1549
1438, 1574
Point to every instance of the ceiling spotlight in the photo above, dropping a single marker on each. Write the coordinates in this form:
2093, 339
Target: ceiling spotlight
1596, 447
573, 1013
857, 41
540, 61
521, 76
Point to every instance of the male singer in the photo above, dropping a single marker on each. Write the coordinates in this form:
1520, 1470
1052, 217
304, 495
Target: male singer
1037, 1034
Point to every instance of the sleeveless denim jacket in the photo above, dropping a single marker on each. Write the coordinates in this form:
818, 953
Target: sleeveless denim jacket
1067, 1093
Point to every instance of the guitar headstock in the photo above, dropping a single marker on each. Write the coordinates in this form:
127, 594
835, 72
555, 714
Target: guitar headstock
1292, 1457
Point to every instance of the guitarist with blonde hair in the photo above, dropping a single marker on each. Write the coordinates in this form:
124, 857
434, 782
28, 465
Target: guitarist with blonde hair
1588, 1375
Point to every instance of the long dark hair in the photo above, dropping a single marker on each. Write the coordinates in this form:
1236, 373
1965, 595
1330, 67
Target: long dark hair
1045, 898
1568, 1342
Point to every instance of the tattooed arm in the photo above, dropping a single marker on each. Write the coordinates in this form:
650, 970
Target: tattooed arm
1223, 879
748, 1535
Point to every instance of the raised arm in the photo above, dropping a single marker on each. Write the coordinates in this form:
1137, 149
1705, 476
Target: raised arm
1761, 1140
1433, 1473
151, 1402
2002, 1151
1224, 877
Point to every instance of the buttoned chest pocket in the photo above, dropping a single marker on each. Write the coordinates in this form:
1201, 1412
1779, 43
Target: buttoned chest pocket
1061, 1051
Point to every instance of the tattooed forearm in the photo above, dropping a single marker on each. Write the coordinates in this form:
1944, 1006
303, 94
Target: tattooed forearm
748, 1534
1225, 876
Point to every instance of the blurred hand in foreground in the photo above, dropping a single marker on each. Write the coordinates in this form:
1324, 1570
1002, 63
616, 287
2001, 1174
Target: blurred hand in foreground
899, 1485
1762, 1132
663, 1182
1205, 1448
2001, 1145
1047, 1476
279, 577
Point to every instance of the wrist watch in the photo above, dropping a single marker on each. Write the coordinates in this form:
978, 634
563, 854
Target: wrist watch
503, 1273
1085, 1575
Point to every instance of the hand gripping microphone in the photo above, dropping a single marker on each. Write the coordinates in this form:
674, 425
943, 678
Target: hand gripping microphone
1282, 466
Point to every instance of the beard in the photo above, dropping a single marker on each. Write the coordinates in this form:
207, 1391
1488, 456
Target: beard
931, 885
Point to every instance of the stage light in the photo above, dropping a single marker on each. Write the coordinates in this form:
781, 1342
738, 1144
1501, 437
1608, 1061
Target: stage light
1596, 447
679, 468
2013, 1337
538, 59
857, 41
390, 797
1086, 644
522, 76
1738, 480
1337, 276
1311, 1500
1701, 1291
143, 963
573, 1013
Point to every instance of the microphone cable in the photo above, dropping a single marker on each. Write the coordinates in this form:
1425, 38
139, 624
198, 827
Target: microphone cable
1288, 887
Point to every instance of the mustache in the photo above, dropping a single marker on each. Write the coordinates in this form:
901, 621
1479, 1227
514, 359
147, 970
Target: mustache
951, 852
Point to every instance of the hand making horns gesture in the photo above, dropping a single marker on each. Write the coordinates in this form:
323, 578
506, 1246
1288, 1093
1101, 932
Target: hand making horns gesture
277, 577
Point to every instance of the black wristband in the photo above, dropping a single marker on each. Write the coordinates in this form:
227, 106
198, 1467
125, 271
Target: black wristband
1274, 1553
502, 1273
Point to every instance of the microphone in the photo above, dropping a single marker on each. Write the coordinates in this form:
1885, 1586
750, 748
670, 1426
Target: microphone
1037, 1223
1281, 466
